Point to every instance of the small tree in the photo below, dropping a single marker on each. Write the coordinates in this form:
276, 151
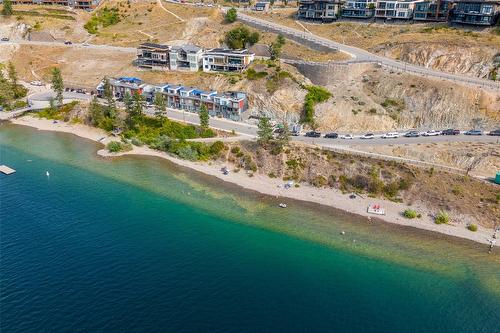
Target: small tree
110, 100
160, 105
204, 117
284, 135
271, 2
12, 74
7, 8
265, 132
231, 15
95, 112
275, 47
58, 85
138, 103
129, 108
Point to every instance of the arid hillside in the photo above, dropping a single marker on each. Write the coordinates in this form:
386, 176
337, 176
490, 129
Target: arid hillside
468, 200
438, 46
369, 98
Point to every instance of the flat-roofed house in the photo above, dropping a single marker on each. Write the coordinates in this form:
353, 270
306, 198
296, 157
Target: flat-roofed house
399, 9
321, 10
475, 12
226, 60
153, 56
121, 86
362, 9
433, 10
186, 57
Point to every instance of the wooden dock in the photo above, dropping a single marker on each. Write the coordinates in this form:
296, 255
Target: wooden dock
6, 170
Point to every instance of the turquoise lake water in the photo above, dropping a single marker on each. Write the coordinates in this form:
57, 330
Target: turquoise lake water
139, 245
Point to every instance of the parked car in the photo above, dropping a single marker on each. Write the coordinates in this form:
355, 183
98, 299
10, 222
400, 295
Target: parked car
331, 135
36, 83
495, 132
474, 132
412, 134
450, 131
390, 135
368, 136
5, 39
68, 42
85, 44
313, 134
431, 133
347, 136
295, 133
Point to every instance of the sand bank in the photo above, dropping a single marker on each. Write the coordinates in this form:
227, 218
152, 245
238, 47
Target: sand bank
274, 187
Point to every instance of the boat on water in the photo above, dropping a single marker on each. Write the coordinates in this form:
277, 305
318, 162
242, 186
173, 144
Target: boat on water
47, 173
282, 205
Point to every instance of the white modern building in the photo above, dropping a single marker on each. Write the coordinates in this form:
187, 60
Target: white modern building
226, 60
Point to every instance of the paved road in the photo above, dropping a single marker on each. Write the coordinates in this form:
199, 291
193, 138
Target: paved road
361, 55
83, 46
250, 131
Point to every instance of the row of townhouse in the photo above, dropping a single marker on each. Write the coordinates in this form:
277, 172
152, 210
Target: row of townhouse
229, 105
192, 58
77, 4
472, 12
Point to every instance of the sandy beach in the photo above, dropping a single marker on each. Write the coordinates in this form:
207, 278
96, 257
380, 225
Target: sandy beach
274, 187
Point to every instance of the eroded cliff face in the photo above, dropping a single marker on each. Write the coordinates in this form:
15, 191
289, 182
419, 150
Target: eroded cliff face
367, 98
473, 60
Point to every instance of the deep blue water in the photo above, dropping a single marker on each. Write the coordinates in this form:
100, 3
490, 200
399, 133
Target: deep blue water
136, 245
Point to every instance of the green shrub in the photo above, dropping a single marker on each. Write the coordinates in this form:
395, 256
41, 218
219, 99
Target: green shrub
410, 214
251, 74
102, 18
235, 150
137, 142
217, 147
472, 227
315, 95
116, 147
442, 218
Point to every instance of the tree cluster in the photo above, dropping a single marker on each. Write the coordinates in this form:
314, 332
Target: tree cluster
241, 37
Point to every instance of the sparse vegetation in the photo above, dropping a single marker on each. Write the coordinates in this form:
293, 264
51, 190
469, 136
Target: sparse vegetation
472, 227
117, 147
315, 95
410, 214
442, 218
102, 18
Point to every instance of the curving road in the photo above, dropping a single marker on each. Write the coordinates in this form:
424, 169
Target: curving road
361, 55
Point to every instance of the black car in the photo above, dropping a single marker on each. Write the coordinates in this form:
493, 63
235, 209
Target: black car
412, 134
331, 135
5, 39
68, 42
450, 131
313, 134
495, 132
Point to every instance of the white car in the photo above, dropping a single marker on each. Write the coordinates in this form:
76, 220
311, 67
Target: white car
368, 136
36, 83
390, 135
432, 133
347, 137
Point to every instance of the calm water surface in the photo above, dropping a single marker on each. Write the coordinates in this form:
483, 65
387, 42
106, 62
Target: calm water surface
139, 245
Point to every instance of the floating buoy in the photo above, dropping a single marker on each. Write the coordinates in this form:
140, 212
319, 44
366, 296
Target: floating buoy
342, 233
